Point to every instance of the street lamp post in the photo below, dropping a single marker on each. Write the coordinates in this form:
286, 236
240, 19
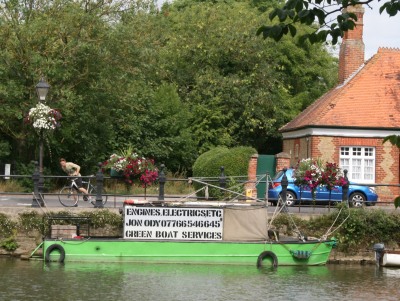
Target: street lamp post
42, 88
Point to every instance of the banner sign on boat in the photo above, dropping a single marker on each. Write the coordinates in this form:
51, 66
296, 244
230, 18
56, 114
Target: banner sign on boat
173, 223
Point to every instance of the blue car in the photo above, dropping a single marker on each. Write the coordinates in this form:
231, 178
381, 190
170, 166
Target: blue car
357, 195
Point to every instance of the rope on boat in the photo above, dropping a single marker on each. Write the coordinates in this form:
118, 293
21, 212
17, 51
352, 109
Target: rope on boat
256, 182
329, 232
278, 210
73, 242
238, 194
191, 194
299, 254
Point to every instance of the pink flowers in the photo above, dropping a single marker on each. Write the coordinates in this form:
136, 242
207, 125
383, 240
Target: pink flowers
141, 168
307, 173
331, 176
56, 116
148, 177
133, 167
310, 179
311, 173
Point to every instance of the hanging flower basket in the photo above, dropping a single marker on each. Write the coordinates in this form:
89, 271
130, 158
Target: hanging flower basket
43, 119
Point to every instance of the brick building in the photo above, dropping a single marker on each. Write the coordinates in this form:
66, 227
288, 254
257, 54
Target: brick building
347, 125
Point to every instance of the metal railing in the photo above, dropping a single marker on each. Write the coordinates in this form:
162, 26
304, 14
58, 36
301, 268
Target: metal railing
40, 193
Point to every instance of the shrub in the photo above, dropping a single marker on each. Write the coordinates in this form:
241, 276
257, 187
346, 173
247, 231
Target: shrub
102, 218
33, 220
10, 185
9, 244
26, 169
234, 160
8, 230
7, 226
367, 227
30, 221
26, 183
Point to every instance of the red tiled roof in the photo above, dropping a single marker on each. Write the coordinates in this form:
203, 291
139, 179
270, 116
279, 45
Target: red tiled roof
370, 98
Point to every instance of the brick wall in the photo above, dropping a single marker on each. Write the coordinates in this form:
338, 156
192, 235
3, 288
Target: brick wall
282, 161
351, 55
252, 176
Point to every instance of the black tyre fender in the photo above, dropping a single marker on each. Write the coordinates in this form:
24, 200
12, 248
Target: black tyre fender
267, 254
51, 249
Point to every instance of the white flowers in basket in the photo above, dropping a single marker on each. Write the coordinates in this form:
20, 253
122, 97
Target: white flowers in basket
42, 117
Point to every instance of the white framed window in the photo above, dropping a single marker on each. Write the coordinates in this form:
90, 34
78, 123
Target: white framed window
360, 163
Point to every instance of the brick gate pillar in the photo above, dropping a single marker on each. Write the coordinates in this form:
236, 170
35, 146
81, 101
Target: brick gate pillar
282, 161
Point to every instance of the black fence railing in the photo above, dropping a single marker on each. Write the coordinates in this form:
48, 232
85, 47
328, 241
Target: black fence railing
39, 189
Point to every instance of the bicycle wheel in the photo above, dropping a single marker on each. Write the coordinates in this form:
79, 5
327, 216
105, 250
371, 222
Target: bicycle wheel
93, 192
68, 197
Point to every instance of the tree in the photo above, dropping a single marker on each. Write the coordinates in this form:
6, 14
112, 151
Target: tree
240, 91
317, 14
68, 43
172, 82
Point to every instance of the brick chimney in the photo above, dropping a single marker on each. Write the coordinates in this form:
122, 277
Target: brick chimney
351, 55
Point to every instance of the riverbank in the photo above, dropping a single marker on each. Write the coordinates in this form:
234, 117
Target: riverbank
362, 257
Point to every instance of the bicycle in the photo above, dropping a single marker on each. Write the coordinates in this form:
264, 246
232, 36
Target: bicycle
69, 195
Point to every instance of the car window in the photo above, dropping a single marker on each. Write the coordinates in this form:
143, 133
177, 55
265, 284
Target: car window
278, 175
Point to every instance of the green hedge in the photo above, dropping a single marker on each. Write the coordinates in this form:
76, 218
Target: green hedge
7, 226
234, 160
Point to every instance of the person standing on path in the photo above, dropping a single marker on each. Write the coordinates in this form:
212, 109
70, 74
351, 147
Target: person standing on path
73, 170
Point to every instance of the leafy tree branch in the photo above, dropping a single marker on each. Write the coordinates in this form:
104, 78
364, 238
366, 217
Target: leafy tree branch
315, 13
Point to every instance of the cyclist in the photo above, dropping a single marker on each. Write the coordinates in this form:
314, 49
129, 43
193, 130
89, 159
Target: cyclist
72, 169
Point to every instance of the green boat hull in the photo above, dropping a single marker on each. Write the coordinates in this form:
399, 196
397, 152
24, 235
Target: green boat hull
210, 252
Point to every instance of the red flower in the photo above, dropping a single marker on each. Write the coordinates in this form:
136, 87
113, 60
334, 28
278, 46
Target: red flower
133, 167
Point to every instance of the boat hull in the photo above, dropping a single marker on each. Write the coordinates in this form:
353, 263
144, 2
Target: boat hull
222, 252
391, 259
386, 258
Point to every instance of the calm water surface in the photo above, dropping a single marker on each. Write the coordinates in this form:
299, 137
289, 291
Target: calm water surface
33, 280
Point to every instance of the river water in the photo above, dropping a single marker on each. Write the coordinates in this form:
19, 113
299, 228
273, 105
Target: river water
34, 280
